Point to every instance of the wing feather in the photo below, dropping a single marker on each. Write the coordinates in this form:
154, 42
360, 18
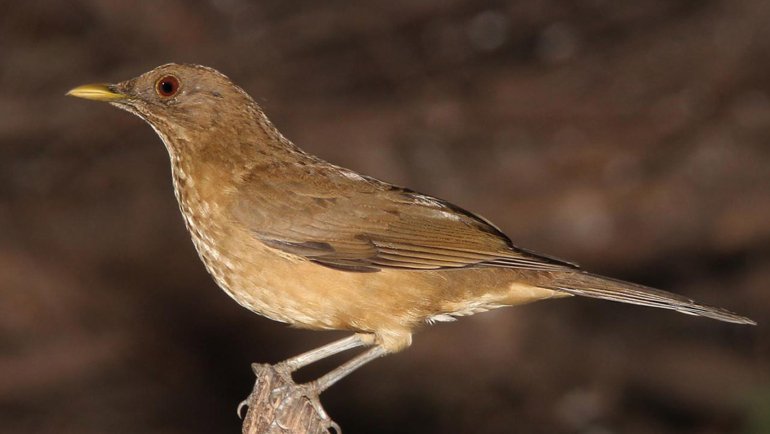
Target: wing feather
360, 224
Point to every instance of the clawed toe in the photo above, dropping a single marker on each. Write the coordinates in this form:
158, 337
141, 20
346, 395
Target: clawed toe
289, 395
241, 405
299, 391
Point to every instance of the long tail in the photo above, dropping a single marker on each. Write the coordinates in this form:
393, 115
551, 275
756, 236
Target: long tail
595, 286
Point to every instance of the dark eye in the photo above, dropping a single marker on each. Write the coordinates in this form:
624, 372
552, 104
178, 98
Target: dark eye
167, 86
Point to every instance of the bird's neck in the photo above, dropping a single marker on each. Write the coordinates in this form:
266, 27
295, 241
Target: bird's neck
210, 162
231, 142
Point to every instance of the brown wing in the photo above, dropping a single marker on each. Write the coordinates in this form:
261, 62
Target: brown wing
342, 220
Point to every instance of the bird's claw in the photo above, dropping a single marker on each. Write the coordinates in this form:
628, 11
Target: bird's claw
308, 391
244, 403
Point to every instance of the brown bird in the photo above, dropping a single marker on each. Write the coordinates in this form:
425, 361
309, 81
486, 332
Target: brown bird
299, 240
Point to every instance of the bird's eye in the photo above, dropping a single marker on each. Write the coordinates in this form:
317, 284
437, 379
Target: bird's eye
167, 86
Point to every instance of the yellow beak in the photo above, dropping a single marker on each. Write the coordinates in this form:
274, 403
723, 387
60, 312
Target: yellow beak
96, 92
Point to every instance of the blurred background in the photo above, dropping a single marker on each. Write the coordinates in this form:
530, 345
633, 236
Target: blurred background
630, 137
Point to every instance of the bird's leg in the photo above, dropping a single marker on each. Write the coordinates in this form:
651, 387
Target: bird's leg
290, 392
290, 365
336, 347
345, 369
313, 389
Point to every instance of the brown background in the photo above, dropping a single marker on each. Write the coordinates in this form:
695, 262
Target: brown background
632, 138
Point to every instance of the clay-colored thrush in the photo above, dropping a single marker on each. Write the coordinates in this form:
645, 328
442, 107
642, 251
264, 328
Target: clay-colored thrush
299, 240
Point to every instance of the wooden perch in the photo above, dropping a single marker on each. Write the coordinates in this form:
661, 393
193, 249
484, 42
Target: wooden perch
277, 405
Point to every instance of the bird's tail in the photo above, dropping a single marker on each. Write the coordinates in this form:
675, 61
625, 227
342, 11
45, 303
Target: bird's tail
595, 286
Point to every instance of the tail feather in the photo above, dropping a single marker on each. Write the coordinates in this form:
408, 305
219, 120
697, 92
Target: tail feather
595, 286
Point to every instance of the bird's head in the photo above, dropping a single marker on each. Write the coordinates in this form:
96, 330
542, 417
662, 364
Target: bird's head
186, 105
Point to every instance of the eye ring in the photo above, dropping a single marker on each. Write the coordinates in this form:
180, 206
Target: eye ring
167, 86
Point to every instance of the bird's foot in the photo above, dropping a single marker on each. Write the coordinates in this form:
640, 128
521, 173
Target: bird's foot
277, 394
294, 394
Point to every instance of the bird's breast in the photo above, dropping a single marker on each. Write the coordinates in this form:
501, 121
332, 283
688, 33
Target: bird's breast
203, 217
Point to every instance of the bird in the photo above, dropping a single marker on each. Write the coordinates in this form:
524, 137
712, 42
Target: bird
299, 240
